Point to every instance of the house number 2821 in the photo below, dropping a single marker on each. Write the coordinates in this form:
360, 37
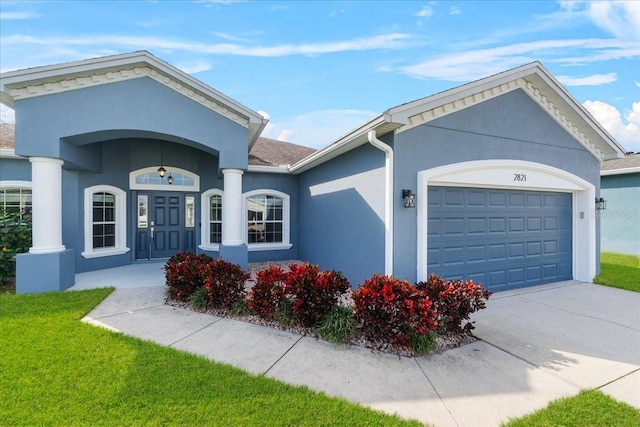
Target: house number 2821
521, 177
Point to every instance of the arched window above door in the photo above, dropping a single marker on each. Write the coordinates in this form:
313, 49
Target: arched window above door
148, 179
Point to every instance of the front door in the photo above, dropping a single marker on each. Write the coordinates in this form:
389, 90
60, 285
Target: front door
166, 224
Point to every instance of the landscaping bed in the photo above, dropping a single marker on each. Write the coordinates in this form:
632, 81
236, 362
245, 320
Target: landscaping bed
383, 314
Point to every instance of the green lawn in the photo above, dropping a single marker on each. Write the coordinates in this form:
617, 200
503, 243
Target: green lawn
56, 370
619, 271
589, 408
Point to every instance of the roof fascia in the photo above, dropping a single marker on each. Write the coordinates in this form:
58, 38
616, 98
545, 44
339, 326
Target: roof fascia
346, 143
621, 171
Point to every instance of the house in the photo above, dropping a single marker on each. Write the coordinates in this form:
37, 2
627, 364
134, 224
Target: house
620, 221
129, 159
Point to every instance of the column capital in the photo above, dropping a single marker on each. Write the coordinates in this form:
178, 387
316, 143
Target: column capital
46, 160
232, 171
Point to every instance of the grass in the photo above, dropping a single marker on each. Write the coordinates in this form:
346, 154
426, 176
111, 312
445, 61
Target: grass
619, 271
589, 408
59, 371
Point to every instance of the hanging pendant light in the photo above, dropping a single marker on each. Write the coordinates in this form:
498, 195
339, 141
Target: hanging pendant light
170, 179
161, 170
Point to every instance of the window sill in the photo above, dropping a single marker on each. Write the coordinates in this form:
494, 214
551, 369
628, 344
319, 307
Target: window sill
213, 248
104, 252
269, 246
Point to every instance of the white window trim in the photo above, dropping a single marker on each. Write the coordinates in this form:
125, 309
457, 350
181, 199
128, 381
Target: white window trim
161, 187
286, 221
18, 185
121, 225
205, 219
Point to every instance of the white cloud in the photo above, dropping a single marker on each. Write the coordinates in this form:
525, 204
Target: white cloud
637, 83
7, 115
194, 67
316, 128
455, 10
383, 41
626, 130
425, 12
17, 15
593, 80
620, 18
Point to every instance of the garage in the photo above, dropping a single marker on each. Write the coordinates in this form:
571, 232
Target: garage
502, 238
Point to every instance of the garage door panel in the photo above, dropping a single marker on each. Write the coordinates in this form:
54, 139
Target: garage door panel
501, 238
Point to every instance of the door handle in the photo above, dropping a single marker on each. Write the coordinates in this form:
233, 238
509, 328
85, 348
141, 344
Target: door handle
153, 229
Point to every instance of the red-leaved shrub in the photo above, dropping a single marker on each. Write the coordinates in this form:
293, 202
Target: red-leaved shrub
391, 311
185, 272
314, 293
268, 292
455, 300
225, 283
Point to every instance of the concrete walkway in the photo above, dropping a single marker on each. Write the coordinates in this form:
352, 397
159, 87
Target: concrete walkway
538, 344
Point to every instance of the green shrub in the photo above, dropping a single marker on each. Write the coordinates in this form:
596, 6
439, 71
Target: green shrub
422, 343
198, 299
338, 326
15, 238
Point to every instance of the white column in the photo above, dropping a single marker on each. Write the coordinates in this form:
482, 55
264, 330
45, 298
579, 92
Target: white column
232, 208
46, 199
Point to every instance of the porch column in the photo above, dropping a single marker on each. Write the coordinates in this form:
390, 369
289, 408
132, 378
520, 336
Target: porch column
46, 179
232, 247
48, 266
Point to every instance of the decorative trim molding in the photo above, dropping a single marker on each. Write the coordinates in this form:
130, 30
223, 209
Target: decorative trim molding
124, 75
493, 92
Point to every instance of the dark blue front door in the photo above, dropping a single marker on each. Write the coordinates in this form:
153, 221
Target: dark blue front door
501, 238
165, 224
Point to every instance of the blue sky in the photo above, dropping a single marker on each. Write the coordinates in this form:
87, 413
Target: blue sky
319, 69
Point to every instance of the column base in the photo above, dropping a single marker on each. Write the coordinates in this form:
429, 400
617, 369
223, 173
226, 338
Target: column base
36, 273
235, 254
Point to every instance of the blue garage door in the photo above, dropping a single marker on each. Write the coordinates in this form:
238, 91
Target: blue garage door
503, 239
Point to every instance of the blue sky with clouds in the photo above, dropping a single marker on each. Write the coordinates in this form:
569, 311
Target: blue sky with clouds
321, 68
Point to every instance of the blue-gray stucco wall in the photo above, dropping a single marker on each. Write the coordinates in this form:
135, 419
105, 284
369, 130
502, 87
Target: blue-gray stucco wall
620, 221
15, 169
511, 126
341, 214
139, 105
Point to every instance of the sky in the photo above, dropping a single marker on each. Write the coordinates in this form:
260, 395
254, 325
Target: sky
318, 69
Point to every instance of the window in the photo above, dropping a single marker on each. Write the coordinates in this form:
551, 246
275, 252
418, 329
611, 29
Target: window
267, 220
104, 221
148, 179
211, 214
15, 200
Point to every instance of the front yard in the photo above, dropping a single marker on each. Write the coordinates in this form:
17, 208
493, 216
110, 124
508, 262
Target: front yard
619, 271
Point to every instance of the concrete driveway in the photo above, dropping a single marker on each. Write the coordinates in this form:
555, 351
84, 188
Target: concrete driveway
537, 344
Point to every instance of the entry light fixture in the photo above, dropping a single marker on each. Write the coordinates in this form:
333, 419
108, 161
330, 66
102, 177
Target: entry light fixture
601, 204
170, 179
161, 171
409, 199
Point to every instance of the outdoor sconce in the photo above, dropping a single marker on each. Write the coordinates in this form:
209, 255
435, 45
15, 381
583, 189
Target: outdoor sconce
161, 171
409, 199
170, 179
601, 204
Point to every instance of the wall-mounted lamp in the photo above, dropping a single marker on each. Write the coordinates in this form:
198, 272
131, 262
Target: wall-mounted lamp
409, 199
170, 179
601, 204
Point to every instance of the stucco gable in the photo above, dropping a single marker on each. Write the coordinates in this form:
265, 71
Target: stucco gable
533, 79
39, 81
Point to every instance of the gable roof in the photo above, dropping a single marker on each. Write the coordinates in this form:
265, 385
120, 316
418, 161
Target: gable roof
532, 78
628, 164
38, 81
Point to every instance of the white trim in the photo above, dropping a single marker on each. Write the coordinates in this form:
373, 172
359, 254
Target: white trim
165, 186
388, 202
121, 224
268, 169
621, 171
9, 153
205, 219
286, 221
22, 185
500, 174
